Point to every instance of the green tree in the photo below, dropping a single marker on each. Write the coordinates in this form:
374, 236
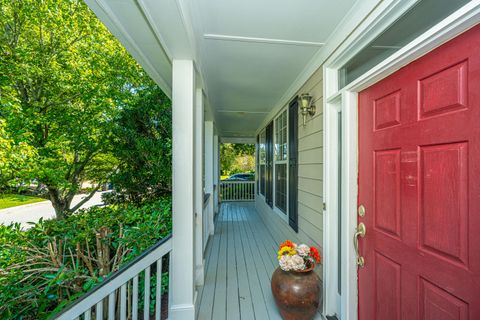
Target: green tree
236, 158
13, 157
143, 144
63, 80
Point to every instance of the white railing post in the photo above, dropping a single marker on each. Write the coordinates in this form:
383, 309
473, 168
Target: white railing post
209, 176
199, 196
216, 172
182, 305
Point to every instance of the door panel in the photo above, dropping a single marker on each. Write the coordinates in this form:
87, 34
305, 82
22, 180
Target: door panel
419, 173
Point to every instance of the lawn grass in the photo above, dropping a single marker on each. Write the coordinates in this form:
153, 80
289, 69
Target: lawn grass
14, 200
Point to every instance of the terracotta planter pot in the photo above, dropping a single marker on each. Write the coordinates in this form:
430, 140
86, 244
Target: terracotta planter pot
297, 294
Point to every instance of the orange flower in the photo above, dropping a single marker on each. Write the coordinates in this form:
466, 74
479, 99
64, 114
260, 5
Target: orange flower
287, 243
315, 254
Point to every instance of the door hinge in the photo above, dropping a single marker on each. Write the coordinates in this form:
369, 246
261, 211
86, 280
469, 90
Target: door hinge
324, 206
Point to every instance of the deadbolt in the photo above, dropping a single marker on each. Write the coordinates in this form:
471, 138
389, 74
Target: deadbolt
361, 211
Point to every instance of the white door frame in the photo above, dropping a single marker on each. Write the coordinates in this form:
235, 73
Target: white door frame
458, 22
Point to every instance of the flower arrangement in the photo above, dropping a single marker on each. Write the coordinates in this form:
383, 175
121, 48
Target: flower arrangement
293, 257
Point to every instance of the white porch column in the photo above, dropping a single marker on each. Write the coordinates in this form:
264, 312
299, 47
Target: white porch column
216, 171
209, 176
182, 304
199, 195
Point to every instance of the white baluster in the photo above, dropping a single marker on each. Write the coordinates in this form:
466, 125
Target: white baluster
99, 310
111, 306
146, 297
123, 302
135, 298
158, 299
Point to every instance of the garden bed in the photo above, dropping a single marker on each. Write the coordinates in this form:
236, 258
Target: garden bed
47, 267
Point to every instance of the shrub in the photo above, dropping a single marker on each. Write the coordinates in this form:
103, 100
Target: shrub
56, 261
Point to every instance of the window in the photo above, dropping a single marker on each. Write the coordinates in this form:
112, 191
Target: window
262, 160
281, 156
420, 18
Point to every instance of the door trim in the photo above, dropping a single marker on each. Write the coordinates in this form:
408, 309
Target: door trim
458, 22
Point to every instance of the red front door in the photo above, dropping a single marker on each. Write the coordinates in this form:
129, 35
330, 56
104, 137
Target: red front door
419, 180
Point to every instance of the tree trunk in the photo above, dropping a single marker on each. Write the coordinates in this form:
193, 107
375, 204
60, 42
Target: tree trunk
59, 203
62, 204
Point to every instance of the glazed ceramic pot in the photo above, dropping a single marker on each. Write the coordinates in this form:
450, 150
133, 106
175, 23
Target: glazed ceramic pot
297, 293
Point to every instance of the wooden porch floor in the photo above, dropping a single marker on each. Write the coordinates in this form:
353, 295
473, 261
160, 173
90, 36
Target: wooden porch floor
240, 260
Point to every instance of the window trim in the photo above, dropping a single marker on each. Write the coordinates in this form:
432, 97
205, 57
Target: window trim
277, 210
449, 28
262, 152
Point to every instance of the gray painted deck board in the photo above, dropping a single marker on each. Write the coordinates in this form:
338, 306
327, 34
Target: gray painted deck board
245, 296
264, 264
208, 290
219, 303
240, 260
233, 303
259, 305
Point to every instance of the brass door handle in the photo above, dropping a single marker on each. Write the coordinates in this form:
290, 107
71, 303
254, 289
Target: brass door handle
361, 230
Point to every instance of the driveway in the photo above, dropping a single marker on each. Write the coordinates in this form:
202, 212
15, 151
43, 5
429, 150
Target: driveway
33, 212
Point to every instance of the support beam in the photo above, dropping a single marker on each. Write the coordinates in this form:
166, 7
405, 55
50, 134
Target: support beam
209, 176
216, 172
199, 220
182, 303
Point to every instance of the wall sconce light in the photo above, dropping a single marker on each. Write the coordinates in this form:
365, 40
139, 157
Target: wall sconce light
306, 107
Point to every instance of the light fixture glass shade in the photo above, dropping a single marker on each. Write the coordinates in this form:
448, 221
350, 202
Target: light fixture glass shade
305, 100
306, 108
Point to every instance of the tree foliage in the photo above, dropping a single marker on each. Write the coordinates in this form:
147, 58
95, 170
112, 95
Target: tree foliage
64, 80
13, 157
57, 261
143, 144
236, 158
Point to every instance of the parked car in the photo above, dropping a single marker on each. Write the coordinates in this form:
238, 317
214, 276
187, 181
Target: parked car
241, 177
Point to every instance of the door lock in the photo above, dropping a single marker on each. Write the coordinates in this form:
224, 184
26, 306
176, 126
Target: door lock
361, 211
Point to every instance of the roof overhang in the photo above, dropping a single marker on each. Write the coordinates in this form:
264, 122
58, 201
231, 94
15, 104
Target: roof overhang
251, 56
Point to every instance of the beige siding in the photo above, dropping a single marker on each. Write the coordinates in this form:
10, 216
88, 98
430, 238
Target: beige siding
310, 176
310, 164
273, 220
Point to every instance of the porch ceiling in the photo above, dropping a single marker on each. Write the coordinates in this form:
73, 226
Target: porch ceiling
248, 53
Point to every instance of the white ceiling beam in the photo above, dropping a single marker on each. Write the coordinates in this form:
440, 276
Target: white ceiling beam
223, 37
147, 14
242, 111
241, 140
356, 15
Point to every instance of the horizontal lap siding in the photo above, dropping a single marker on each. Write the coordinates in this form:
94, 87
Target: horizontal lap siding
310, 176
272, 220
310, 165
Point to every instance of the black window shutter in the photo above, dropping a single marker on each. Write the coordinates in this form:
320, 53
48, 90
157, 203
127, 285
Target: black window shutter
293, 165
269, 166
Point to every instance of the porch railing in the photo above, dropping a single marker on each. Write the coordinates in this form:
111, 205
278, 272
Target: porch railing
237, 191
118, 296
